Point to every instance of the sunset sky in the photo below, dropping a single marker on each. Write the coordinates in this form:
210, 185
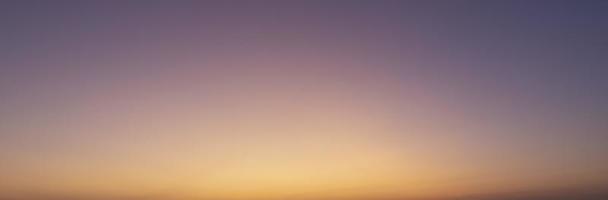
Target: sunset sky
315, 100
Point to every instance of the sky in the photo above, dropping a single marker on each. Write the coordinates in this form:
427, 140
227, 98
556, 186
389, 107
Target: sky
231, 100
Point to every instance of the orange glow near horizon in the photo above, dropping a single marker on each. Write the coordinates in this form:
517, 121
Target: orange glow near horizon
298, 100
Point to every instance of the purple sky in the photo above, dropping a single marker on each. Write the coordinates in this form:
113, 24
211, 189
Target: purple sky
269, 99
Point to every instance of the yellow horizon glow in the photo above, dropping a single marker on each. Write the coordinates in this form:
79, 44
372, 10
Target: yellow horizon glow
271, 123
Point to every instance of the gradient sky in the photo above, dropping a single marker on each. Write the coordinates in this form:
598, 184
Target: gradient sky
302, 99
